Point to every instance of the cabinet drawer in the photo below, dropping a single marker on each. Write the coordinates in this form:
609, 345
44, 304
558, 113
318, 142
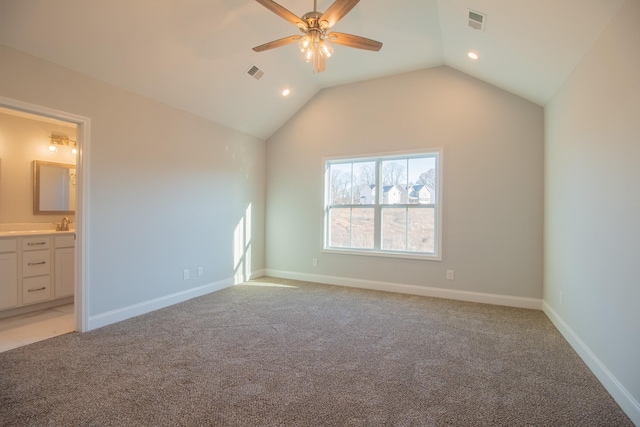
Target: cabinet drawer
35, 243
8, 245
66, 241
36, 289
36, 263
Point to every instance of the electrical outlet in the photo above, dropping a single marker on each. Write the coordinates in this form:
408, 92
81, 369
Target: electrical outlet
185, 275
199, 271
450, 274
314, 262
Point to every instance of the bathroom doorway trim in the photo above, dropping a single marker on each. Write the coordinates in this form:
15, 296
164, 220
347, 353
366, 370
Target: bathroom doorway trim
81, 286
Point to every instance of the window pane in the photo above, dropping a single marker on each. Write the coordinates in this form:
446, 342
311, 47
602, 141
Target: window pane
362, 228
394, 229
364, 181
422, 180
394, 195
339, 227
421, 230
394, 172
384, 204
394, 182
340, 183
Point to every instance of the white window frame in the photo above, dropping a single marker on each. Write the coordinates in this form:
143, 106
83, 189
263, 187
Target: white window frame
377, 206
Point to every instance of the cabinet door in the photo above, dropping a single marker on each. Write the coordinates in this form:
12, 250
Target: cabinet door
8, 280
64, 272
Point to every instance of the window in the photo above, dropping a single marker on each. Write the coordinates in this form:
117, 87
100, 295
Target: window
384, 205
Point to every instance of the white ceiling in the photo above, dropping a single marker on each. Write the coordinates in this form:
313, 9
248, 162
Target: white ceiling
194, 54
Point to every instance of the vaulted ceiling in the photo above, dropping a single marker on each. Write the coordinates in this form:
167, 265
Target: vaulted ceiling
195, 54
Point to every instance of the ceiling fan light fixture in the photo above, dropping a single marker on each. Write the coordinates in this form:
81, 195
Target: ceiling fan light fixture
316, 26
326, 49
304, 43
314, 46
309, 55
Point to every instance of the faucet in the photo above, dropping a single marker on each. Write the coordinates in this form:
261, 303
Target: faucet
64, 225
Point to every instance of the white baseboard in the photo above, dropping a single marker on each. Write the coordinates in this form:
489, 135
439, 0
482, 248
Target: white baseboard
258, 273
118, 315
619, 393
506, 300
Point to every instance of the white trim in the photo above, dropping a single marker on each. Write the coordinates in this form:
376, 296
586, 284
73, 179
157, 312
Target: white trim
257, 273
120, 314
81, 306
371, 156
438, 153
83, 135
383, 254
426, 291
619, 393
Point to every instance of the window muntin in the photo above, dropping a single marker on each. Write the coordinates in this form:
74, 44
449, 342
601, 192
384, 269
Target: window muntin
402, 219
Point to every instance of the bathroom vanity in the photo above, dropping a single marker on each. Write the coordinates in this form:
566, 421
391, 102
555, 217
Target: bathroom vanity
36, 270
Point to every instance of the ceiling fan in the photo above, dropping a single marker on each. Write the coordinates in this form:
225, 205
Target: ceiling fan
314, 43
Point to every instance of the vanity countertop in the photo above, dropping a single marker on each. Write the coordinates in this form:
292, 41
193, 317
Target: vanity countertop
24, 233
22, 229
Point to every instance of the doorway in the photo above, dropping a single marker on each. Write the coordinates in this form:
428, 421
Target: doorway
79, 308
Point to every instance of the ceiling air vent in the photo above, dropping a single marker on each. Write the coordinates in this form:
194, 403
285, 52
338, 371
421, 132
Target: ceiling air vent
255, 72
477, 20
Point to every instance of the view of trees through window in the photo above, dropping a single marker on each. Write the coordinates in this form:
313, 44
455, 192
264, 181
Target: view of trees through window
383, 204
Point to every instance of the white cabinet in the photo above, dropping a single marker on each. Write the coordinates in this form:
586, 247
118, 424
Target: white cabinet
36, 269
35, 243
8, 273
64, 266
36, 289
36, 263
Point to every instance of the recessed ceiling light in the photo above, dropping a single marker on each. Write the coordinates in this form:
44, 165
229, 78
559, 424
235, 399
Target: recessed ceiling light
472, 55
286, 92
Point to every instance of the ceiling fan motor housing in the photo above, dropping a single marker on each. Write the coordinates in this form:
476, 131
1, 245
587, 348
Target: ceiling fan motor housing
312, 19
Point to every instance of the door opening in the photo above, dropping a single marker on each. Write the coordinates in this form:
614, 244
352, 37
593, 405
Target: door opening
80, 267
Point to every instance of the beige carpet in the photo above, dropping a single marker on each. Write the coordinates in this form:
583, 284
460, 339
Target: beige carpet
285, 353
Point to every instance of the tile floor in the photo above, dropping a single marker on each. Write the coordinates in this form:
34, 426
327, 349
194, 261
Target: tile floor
28, 328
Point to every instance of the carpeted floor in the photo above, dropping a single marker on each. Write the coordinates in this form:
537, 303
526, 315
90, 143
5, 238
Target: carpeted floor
284, 353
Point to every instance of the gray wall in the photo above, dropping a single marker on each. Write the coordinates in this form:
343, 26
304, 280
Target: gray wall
167, 188
492, 162
592, 198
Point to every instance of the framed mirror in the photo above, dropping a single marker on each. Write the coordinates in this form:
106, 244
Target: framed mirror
54, 188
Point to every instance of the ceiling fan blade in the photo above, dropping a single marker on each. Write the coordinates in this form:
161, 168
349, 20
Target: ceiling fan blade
336, 12
284, 13
277, 43
354, 41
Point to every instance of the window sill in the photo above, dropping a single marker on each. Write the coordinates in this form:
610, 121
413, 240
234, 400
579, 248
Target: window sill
382, 254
